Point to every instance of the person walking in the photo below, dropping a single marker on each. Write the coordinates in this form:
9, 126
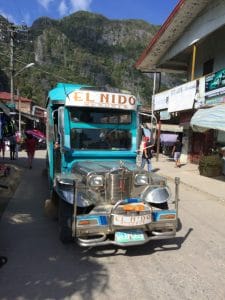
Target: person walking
30, 146
2, 147
12, 146
176, 152
147, 154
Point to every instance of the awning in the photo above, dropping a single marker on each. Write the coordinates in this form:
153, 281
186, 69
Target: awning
210, 118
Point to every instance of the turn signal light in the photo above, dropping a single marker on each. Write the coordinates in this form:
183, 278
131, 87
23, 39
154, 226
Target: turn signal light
84, 222
129, 207
167, 217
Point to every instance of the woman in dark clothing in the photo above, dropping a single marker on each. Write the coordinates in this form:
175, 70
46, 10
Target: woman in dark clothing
176, 152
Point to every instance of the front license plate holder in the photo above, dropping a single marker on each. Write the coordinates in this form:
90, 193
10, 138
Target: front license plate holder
131, 221
129, 236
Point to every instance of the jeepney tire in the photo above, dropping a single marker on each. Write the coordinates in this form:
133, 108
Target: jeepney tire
65, 218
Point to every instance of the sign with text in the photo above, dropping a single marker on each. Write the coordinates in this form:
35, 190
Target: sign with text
215, 88
182, 97
101, 99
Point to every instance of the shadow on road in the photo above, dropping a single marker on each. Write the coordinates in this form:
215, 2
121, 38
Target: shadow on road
39, 266
146, 249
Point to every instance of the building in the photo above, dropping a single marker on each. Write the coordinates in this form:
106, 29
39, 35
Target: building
25, 114
21, 103
190, 42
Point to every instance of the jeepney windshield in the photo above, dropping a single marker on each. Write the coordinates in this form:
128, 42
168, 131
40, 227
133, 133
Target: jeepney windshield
100, 139
100, 115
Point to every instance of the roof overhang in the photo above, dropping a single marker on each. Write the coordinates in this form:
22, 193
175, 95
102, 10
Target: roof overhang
180, 18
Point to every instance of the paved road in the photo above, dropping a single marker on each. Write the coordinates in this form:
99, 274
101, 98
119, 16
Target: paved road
191, 266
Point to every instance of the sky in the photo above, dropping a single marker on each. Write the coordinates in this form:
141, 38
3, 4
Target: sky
27, 11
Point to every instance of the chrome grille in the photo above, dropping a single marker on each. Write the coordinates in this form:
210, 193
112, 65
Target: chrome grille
119, 185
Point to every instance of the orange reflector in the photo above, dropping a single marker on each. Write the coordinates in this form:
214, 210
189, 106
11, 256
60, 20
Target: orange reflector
84, 222
130, 207
167, 217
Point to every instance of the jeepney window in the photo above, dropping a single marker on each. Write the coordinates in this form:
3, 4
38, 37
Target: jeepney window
100, 139
100, 115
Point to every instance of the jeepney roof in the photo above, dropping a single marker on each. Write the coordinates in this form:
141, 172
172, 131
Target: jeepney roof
61, 90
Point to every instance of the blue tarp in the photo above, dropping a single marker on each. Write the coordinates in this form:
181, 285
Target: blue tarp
210, 118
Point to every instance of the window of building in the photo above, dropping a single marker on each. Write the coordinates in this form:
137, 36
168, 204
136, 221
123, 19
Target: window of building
208, 66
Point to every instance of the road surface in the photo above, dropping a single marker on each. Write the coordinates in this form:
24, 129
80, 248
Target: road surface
190, 266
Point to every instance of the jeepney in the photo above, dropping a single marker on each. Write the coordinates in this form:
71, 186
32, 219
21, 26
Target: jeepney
102, 195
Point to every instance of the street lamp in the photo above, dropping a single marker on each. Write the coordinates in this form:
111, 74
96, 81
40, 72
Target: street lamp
12, 80
26, 67
18, 97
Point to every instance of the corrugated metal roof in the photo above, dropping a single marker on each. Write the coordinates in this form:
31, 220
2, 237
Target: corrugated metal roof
7, 96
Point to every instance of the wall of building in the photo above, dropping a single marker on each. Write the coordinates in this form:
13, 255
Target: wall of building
213, 47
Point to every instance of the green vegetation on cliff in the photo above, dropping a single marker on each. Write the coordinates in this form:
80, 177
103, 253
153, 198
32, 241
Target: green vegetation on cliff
83, 48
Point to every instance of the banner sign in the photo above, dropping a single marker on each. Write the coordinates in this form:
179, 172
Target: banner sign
182, 97
161, 100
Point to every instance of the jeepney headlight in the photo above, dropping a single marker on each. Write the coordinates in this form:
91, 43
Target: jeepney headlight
96, 181
156, 195
141, 179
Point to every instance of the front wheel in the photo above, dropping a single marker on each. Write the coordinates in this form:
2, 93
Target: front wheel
65, 221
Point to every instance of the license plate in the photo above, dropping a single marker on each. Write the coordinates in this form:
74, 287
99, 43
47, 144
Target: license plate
123, 220
129, 236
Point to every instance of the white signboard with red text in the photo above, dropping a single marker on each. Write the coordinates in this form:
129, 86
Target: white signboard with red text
87, 98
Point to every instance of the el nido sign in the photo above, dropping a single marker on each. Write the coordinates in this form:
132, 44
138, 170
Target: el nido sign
101, 99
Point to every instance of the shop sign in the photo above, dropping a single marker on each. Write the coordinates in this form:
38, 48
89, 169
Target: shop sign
164, 115
215, 88
161, 100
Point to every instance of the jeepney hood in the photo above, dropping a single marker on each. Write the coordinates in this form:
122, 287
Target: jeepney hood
87, 167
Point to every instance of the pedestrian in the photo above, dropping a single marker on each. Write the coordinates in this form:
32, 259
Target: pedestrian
12, 146
2, 147
30, 146
147, 154
176, 152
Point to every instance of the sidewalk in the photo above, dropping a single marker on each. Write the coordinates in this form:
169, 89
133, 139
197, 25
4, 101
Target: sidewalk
189, 175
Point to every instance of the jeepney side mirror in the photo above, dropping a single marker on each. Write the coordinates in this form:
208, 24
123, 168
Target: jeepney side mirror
64, 138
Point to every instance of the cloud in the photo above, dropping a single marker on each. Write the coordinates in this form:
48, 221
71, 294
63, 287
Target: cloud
80, 5
63, 9
45, 3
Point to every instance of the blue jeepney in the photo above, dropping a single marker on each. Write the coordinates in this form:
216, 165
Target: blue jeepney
102, 195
